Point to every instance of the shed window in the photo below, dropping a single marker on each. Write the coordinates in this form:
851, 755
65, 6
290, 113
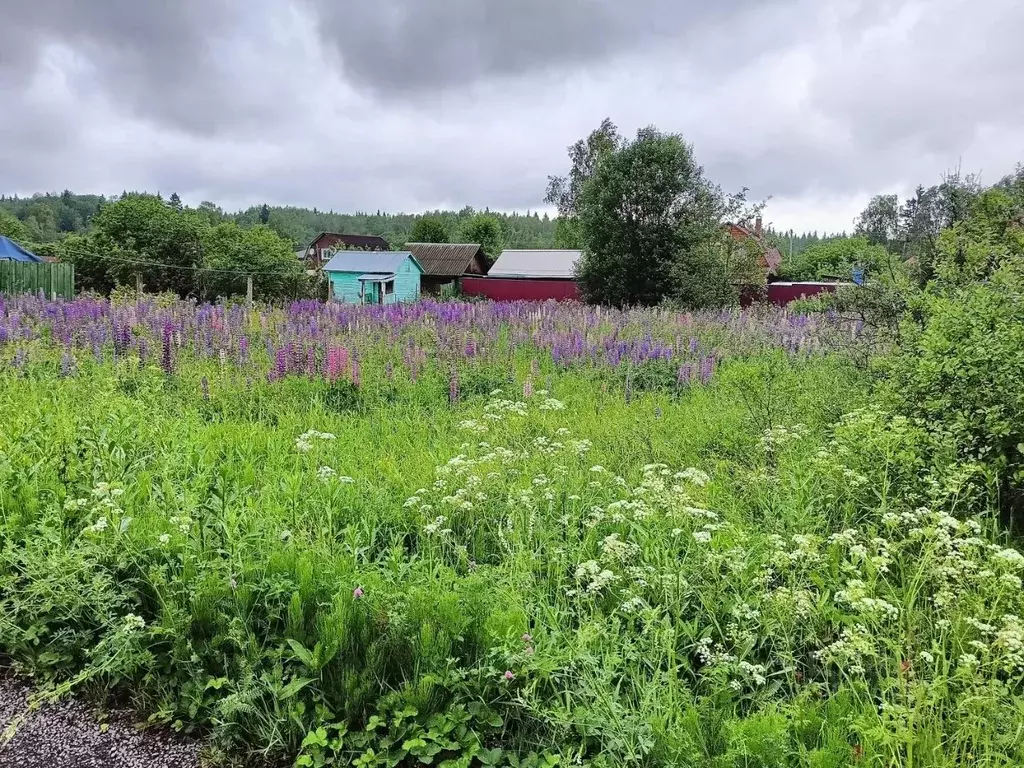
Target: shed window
389, 287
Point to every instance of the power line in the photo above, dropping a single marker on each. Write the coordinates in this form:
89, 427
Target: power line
140, 262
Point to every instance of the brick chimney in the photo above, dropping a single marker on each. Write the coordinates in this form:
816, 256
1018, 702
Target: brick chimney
757, 226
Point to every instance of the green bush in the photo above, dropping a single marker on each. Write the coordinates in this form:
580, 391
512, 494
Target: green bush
959, 373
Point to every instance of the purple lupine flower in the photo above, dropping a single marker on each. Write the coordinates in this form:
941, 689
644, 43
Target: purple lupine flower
243, 350
166, 359
528, 388
389, 370
707, 369
204, 385
281, 363
357, 373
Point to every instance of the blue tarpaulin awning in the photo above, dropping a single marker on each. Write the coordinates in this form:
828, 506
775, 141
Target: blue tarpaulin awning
11, 251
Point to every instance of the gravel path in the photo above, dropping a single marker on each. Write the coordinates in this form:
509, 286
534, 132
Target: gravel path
65, 734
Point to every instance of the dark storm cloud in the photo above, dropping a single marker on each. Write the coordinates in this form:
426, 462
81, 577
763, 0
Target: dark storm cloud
172, 61
407, 104
405, 46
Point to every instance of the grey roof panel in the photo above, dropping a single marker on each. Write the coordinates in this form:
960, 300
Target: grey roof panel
373, 262
552, 264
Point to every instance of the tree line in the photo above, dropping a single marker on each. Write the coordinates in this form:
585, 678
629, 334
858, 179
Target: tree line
47, 218
650, 224
206, 252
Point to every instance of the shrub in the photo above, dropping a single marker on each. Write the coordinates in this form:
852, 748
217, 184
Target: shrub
959, 374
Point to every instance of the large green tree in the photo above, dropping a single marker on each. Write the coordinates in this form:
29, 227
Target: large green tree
484, 229
879, 222
649, 219
429, 229
11, 227
564, 192
140, 235
232, 254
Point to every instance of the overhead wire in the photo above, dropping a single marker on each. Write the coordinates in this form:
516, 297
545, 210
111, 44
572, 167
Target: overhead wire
140, 262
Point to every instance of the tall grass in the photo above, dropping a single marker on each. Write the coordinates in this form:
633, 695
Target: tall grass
596, 564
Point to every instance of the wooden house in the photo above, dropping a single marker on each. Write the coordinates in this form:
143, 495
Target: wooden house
445, 263
769, 257
373, 277
319, 252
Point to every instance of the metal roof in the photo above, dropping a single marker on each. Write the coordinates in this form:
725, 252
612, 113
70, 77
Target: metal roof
369, 262
551, 264
376, 278
446, 259
375, 242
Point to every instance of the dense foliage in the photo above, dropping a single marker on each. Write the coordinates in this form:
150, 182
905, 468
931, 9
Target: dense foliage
960, 352
650, 224
430, 229
48, 218
140, 238
835, 259
499, 535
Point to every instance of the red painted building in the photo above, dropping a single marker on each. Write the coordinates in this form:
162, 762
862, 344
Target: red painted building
781, 294
520, 275
519, 289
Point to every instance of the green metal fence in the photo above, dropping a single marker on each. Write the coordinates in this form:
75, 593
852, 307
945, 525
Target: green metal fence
50, 278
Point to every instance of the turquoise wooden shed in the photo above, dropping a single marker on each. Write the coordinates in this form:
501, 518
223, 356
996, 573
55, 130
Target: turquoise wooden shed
373, 277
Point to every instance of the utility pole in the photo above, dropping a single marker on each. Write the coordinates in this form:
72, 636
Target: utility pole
248, 291
138, 283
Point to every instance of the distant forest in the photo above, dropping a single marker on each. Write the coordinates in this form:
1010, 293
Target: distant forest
47, 218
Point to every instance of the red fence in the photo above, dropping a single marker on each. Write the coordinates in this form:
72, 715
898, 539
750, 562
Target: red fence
781, 294
526, 289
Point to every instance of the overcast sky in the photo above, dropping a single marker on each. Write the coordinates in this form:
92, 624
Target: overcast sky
407, 105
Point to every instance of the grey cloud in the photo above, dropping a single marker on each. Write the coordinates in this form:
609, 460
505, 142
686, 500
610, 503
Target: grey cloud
407, 46
404, 104
165, 60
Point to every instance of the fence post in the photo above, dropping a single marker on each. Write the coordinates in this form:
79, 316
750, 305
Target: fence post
248, 291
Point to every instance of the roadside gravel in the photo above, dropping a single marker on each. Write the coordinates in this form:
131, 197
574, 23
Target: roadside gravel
66, 734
